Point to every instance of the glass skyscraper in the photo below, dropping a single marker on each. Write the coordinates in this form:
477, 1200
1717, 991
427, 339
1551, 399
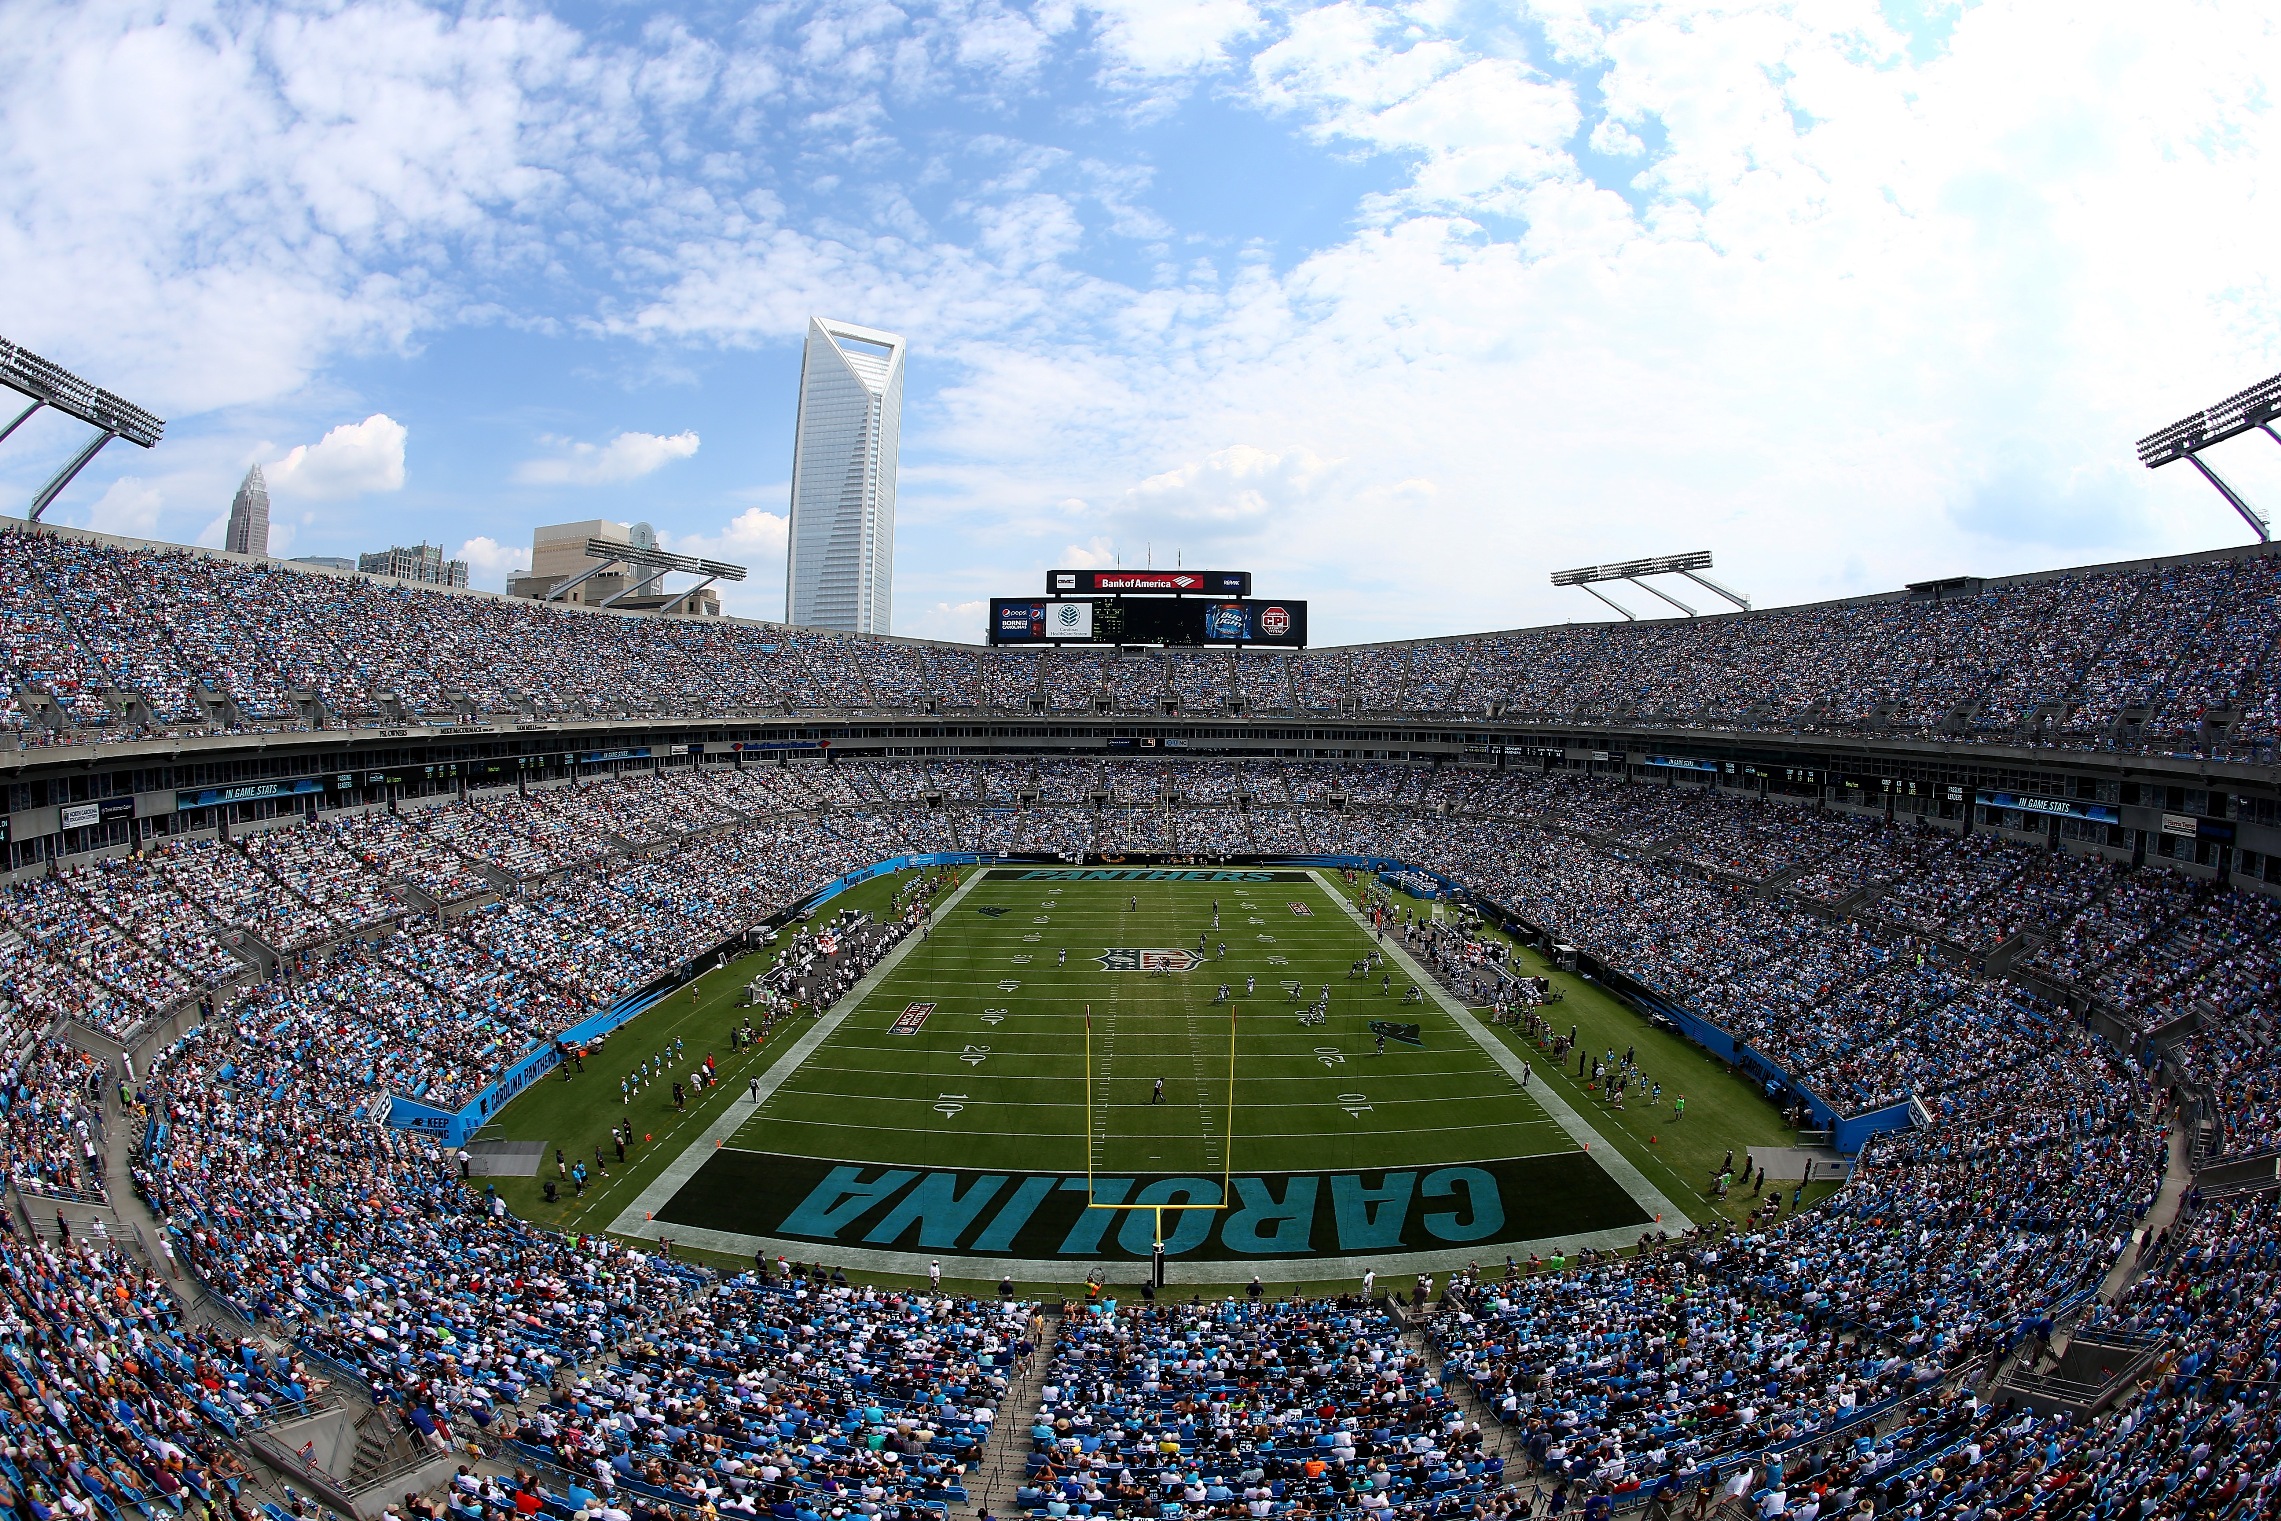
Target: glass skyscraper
248, 533
839, 568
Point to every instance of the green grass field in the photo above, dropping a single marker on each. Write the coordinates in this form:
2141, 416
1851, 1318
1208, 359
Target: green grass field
985, 1101
996, 1076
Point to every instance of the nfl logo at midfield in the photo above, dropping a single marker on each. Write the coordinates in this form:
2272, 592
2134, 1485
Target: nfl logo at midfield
1126, 958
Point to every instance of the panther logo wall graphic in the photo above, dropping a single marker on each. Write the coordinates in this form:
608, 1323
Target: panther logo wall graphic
1126, 958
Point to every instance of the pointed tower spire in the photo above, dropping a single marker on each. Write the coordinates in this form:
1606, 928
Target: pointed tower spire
249, 516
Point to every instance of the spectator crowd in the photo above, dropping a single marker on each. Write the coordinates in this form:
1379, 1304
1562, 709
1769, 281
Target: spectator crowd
112, 641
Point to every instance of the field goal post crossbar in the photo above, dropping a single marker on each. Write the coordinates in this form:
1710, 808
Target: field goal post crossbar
1227, 1144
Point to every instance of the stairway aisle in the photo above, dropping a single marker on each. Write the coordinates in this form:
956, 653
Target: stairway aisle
1497, 1439
2178, 1176
1004, 1460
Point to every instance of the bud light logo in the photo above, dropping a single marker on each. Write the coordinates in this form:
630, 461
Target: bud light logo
1274, 622
1227, 620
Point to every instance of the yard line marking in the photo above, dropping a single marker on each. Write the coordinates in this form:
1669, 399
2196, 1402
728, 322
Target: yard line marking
739, 1110
1612, 1161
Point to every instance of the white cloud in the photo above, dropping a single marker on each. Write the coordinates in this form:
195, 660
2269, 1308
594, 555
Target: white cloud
1908, 294
129, 507
489, 561
1858, 296
960, 622
210, 203
753, 534
1232, 492
350, 460
1094, 554
755, 539
1616, 140
1157, 38
627, 457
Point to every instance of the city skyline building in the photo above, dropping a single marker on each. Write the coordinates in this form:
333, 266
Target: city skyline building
424, 563
248, 533
839, 561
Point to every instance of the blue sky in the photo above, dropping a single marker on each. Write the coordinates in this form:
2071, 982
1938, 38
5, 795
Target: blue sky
1400, 306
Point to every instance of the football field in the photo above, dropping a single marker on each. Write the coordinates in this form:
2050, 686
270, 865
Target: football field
1074, 1064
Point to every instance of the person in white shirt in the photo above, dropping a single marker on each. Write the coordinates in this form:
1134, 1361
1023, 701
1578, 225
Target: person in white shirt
1738, 1484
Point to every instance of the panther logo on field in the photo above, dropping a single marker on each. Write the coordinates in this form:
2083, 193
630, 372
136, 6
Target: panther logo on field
1126, 958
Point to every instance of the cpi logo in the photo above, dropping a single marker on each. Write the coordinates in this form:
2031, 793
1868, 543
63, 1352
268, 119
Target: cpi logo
1274, 622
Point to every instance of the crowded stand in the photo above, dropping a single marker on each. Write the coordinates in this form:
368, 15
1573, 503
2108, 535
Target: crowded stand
1946, 1246
135, 980
1201, 1406
54, 1124
826, 1397
1134, 681
112, 1403
1618, 1373
135, 896
233, 887
2214, 929
395, 847
1199, 682
2232, 1062
528, 836
2046, 893
1987, 1030
393, 1023
288, 1196
1012, 678
2133, 908
1841, 1327
2177, 658
1947, 877
40, 993
313, 867
955, 678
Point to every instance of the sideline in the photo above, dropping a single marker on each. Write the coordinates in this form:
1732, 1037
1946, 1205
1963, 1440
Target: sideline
636, 1219
1666, 1217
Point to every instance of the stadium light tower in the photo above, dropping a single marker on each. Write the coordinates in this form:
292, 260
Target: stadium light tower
607, 555
1691, 565
2185, 439
51, 385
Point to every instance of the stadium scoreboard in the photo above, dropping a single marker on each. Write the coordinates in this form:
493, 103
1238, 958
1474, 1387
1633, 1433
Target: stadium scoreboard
1177, 583
1176, 621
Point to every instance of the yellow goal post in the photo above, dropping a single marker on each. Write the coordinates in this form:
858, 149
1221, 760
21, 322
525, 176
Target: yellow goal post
1227, 1149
